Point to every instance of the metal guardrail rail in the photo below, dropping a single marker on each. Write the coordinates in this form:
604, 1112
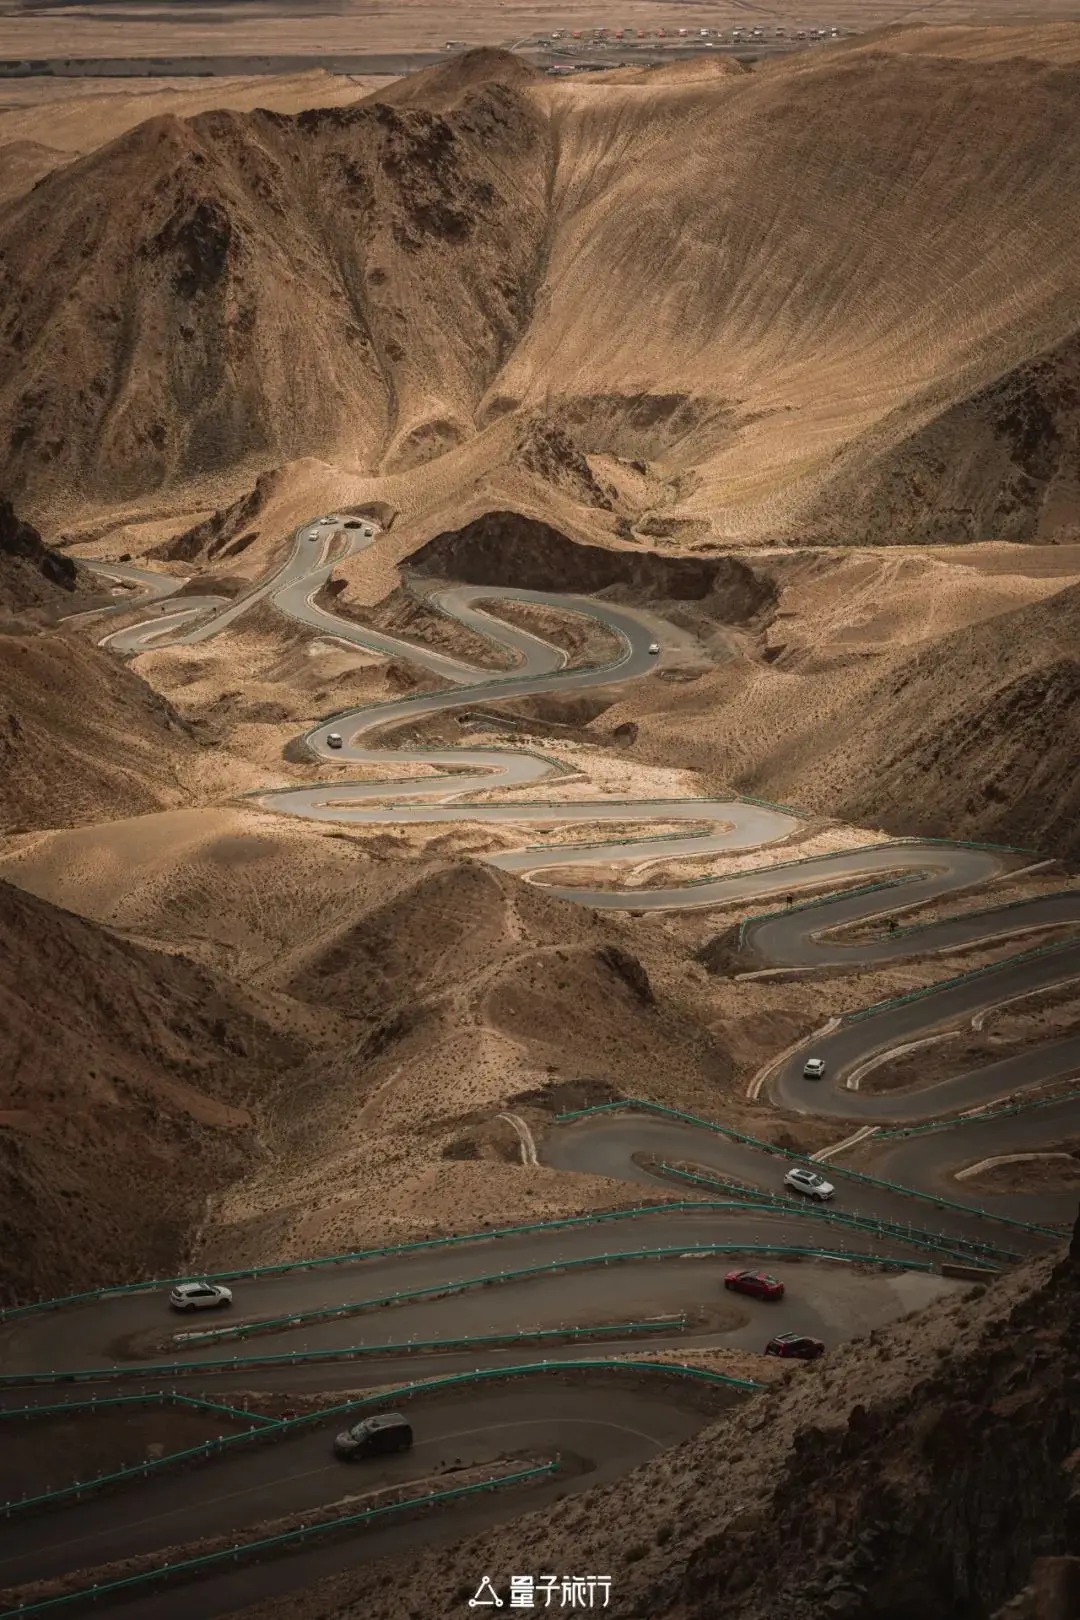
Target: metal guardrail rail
962, 978
520, 1273
299, 1358
283, 1428
265, 1544
957, 1248
643, 1105
820, 900
354, 1257
976, 1118
160, 1397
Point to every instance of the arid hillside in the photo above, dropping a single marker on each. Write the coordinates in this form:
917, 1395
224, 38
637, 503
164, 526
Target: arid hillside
31, 574
629, 259
172, 344
82, 737
856, 704
416, 1001
130, 1088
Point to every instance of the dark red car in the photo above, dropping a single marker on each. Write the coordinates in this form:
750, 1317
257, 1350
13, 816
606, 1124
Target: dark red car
757, 1283
796, 1345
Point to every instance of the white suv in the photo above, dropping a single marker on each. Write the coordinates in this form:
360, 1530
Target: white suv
814, 1069
200, 1296
810, 1183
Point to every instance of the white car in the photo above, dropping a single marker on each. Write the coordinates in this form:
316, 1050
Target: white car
809, 1183
313, 534
333, 739
654, 648
328, 520
814, 1069
200, 1296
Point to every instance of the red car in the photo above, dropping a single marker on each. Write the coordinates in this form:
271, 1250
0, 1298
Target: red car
757, 1283
796, 1345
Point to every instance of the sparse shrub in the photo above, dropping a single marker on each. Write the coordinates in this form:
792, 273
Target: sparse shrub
636, 1553
664, 1534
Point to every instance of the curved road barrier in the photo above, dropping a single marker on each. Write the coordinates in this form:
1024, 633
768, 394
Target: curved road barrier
356, 1256
954, 1247
101, 1403
278, 1429
1008, 1112
300, 1358
189, 1567
444, 1289
639, 1105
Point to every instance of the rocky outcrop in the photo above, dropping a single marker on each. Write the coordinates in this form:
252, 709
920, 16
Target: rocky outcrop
31, 573
506, 548
1004, 462
226, 534
933, 1502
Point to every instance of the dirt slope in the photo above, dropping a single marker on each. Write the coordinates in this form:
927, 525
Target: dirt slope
127, 1094
82, 738
852, 709
173, 344
439, 993
31, 573
629, 259
1004, 462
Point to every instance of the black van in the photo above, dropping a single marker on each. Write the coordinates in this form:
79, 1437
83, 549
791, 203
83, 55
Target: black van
376, 1436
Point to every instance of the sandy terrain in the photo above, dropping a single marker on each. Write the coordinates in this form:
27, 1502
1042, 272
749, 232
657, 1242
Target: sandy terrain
745, 432
1055, 1169
885, 690
73, 116
76, 31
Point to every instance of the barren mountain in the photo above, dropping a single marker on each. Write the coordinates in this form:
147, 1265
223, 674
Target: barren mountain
172, 343
853, 708
1003, 463
630, 258
82, 737
31, 573
128, 1086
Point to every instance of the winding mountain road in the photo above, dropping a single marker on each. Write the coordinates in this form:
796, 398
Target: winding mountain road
901, 875
607, 1424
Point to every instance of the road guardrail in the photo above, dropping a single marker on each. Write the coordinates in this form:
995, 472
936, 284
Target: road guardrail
955, 1247
962, 978
266, 1544
284, 1428
298, 1358
280, 1268
643, 1105
975, 1119
547, 1268
160, 1397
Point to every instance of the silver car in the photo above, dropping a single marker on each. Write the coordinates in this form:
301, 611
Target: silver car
200, 1296
333, 739
809, 1183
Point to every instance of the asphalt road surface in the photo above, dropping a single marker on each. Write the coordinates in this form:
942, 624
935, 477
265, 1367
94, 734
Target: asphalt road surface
804, 936
605, 1426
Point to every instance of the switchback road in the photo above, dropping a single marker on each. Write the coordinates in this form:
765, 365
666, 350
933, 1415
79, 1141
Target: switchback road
576, 1277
